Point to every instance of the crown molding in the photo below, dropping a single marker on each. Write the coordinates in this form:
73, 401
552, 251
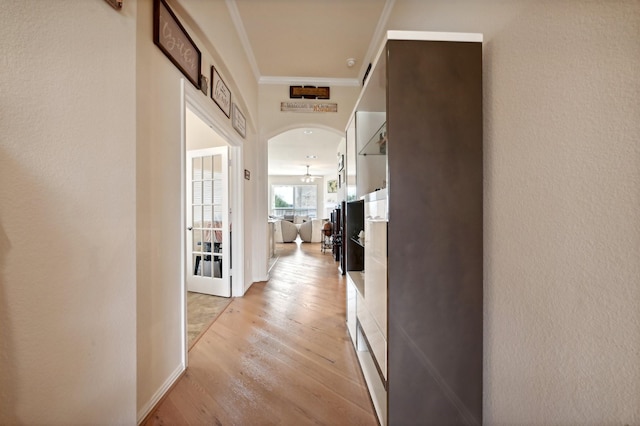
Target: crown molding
284, 80
378, 34
244, 39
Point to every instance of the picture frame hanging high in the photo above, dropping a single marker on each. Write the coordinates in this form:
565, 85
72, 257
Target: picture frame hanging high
238, 121
174, 41
220, 92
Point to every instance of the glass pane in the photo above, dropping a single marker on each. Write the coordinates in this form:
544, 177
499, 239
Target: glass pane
294, 200
206, 243
217, 192
197, 217
196, 164
197, 193
206, 267
197, 265
306, 197
197, 240
283, 196
207, 216
206, 167
217, 266
217, 216
217, 167
207, 188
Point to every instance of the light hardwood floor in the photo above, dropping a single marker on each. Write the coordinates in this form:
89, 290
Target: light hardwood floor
280, 355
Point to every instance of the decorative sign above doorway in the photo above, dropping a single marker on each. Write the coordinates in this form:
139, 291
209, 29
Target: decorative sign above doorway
220, 92
171, 37
308, 92
238, 121
308, 107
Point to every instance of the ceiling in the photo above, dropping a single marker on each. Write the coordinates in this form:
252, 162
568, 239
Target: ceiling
289, 152
308, 41
308, 38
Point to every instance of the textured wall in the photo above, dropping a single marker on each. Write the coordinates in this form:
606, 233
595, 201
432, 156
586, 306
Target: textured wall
67, 215
159, 307
159, 202
562, 205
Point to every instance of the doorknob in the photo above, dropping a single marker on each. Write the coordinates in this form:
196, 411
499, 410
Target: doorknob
189, 228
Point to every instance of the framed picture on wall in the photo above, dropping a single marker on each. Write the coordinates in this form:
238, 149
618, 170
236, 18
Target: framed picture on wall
332, 186
174, 41
220, 92
340, 162
238, 121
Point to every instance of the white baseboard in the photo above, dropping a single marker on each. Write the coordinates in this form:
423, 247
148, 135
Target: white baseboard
150, 405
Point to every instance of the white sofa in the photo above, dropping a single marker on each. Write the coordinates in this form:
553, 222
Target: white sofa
285, 231
311, 231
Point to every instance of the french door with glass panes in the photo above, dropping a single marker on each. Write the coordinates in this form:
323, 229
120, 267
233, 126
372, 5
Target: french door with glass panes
208, 232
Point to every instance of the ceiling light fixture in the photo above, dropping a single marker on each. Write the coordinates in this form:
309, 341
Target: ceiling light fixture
351, 62
307, 132
307, 178
312, 157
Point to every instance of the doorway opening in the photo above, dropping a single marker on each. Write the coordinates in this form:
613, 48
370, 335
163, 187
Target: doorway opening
212, 224
302, 185
208, 258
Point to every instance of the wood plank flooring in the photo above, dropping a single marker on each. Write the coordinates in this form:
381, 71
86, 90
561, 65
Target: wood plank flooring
280, 355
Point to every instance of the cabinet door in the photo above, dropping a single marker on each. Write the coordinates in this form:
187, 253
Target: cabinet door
435, 232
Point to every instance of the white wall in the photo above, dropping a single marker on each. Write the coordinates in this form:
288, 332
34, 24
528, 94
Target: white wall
159, 202
67, 216
199, 135
562, 223
273, 121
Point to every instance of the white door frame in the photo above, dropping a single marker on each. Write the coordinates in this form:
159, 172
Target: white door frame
205, 109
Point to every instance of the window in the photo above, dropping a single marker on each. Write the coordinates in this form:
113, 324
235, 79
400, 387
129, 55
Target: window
294, 200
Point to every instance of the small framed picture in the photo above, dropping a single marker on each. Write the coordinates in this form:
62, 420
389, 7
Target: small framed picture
332, 186
238, 121
204, 84
340, 162
220, 92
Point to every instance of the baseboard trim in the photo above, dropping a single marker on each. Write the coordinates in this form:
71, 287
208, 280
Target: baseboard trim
148, 408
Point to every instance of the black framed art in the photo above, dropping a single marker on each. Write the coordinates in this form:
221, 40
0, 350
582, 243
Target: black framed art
174, 41
220, 92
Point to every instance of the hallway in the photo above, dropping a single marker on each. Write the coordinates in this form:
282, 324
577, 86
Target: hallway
279, 355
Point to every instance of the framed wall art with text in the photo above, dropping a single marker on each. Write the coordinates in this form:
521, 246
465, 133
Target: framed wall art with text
174, 41
220, 92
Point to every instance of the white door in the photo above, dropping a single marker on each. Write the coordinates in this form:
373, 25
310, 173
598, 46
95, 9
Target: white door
208, 239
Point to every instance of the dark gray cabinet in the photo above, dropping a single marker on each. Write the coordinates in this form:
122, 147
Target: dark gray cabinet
429, 87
